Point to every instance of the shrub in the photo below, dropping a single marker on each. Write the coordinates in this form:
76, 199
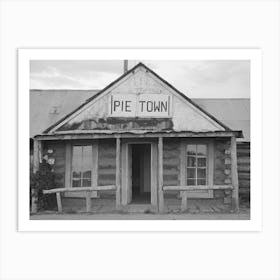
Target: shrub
45, 178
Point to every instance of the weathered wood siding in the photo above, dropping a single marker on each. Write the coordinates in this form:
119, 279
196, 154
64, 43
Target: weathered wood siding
171, 163
107, 162
58, 154
243, 167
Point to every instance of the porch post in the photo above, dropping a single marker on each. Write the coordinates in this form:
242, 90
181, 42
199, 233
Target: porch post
37, 158
234, 174
160, 175
118, 173
37, 154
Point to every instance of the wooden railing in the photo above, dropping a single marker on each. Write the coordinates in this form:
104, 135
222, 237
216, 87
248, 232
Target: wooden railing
86, 190
184, 192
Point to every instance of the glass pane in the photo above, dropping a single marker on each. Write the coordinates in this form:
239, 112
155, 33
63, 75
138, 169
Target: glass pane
191, 150
201, 173
76, 183
201, 182
201, 162
191, 161
191, 173
86, 182
201, 150
87, 175
76, 174
191, 182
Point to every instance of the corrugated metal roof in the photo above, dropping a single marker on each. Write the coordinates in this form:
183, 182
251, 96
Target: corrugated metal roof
235, 113
49, 106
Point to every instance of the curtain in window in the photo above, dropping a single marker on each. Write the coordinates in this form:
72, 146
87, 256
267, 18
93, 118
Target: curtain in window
81, 166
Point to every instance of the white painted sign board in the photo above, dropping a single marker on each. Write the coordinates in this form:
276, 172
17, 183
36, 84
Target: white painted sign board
143, 105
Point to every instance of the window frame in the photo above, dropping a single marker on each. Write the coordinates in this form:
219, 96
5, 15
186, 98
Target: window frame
91, 165
196, 167
209, 170
68, 166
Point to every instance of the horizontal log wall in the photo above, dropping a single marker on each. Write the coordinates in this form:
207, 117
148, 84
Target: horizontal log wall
55, 151
171, 162
107, 162
243, 167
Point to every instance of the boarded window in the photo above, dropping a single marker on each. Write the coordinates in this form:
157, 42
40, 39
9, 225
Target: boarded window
81, 166
196, 165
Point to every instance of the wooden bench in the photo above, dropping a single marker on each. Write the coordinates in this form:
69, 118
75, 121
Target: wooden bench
87, 191
184, 190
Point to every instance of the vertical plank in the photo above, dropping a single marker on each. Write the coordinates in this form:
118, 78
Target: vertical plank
154, 176
94, 173
129, 173
88, 201
184, 205
211, 157
234, 174
160, 175
124, 174
118, 172
68, 163
58, 200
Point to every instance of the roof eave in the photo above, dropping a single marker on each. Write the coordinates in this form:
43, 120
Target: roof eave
136, 133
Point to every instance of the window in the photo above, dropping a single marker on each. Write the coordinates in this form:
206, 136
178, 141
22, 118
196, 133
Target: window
81, 166
196, 165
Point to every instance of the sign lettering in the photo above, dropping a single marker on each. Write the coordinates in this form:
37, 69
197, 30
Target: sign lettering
144, 105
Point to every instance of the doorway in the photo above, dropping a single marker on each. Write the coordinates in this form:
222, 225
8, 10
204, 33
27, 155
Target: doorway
141, 173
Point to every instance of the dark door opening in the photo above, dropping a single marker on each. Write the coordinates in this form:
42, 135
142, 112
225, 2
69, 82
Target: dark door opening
141, 173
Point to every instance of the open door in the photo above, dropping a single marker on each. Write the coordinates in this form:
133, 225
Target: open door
138, 176
141, 173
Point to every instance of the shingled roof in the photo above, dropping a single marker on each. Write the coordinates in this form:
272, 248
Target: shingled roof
49, 106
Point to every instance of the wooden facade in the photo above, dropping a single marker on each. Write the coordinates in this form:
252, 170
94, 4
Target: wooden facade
141, 131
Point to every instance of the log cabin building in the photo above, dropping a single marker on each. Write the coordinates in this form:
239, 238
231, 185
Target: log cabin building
140, 139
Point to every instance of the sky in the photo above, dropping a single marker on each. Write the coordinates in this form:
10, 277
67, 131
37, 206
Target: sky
195, 78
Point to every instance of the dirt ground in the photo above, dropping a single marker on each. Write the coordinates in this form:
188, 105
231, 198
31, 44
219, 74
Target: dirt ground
198, 209
243, 215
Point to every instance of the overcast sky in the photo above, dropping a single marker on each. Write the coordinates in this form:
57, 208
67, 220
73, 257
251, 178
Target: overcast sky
195, 78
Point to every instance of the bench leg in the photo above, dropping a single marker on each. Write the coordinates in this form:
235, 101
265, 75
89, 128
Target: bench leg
88, 202
58, 200
184, 205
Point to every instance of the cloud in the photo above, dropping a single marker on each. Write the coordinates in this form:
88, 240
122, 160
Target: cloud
207, 79
73, 74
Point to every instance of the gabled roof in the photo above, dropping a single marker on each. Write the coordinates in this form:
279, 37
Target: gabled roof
122, 77
234, 112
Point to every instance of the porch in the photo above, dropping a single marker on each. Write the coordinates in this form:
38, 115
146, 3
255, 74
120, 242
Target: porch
122, 187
